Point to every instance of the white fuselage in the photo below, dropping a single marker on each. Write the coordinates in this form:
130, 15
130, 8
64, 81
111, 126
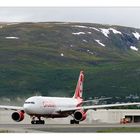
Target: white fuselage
48, 106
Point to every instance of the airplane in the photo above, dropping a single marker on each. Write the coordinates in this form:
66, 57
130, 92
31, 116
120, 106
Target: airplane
38, 107
96, 100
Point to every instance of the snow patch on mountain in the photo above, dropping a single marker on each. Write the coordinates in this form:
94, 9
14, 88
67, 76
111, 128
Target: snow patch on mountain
105, 31
98, 41
136, 35
78, 33
84, 40
89, 32
133, 48
94, 28
80, 26
71, 45
90, 52
12, 37
62, 54
115, 31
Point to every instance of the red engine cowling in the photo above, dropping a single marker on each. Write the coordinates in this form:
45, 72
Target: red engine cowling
18, 116
80, 115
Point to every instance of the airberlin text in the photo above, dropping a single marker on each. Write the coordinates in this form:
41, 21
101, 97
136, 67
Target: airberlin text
48, 104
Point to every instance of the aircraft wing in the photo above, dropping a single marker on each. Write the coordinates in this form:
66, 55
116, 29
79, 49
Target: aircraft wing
100, 99
97, 107
11, 107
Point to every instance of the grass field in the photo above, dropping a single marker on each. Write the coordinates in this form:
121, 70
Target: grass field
121, 130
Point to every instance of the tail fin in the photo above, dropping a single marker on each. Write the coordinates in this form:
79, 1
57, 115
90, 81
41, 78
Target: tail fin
79, 88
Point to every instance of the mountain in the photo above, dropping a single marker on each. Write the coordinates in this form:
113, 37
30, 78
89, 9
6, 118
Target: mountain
46, 57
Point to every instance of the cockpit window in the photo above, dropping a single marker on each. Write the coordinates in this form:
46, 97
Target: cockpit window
29, 102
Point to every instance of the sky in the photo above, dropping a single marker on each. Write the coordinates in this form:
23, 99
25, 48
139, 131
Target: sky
125, 16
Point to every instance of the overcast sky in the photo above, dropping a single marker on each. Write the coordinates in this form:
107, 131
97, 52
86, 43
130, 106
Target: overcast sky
124, 16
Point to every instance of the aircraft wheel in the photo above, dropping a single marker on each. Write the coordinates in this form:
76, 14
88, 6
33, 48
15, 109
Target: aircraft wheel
33, 122
42, 122
74, 122
38, 122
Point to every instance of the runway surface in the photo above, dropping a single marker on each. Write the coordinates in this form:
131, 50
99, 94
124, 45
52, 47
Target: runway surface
60, 128
58, 125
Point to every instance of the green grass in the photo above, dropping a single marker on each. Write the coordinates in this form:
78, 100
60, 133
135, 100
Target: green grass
121, 130
5, 131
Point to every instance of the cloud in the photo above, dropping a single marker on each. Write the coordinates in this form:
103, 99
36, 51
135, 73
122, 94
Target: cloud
105, 15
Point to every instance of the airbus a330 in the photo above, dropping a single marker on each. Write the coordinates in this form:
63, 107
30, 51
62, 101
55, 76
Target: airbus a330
38, 107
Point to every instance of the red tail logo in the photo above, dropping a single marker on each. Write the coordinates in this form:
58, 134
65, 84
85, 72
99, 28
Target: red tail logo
79, 88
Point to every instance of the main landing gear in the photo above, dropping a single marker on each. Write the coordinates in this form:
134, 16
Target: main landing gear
39, 121
74, 122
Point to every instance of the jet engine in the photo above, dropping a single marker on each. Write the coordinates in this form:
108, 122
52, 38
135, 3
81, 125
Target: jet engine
79, 115
18, 116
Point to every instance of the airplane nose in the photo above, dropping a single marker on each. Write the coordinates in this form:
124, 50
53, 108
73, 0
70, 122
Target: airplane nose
27, 108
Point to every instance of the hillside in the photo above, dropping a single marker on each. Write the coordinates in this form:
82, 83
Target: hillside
45, 59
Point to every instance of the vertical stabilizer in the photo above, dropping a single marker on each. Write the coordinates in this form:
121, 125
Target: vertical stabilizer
79, 88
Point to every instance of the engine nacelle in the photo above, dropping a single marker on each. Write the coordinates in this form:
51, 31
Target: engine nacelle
18, 116
79, 115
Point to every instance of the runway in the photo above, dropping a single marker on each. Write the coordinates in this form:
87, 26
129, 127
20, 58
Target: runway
58, 125
61, 128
